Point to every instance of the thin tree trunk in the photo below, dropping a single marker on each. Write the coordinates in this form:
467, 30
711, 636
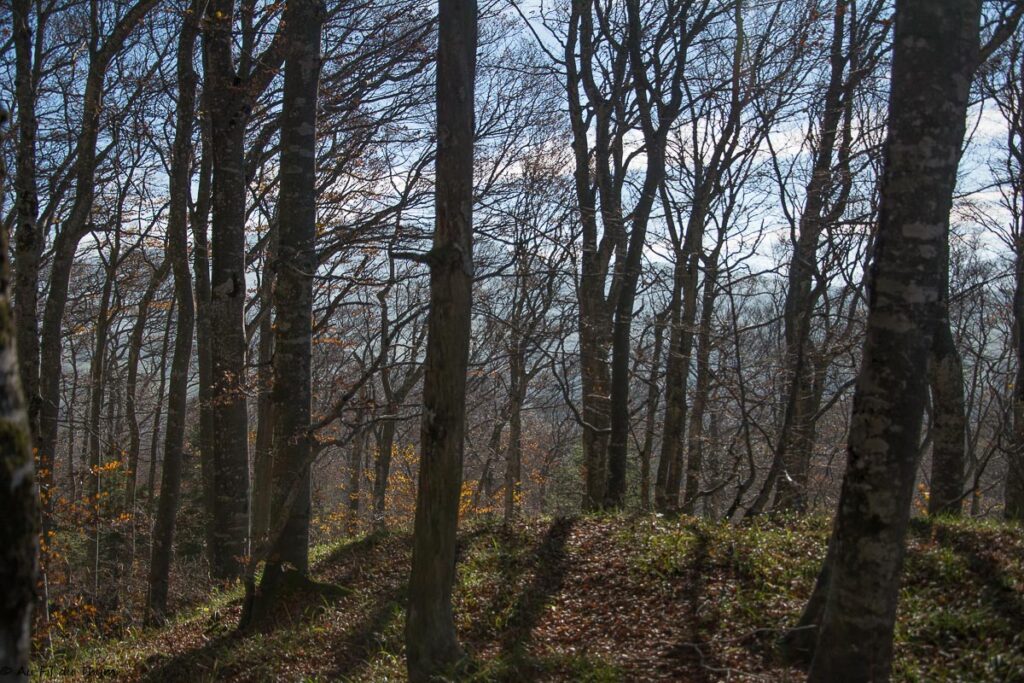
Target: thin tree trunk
177, 248
134, 351
96, 390
158, 411
695, 436
514, 448
431, 644
204, 354
653, 396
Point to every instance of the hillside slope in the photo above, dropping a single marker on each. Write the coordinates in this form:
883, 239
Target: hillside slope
600, 599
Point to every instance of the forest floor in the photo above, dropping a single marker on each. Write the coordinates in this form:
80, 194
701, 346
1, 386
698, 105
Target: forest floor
599, 599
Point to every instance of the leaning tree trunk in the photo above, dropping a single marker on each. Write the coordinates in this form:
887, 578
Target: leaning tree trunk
177, 399
131, 412
431, 644
935, 50
19, 540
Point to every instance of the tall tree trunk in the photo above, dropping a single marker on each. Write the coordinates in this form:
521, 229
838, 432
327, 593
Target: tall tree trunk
291, 392
430, 641
949, 424
97, 385
19, 541
204, 354
935, 53
229, 104
29, 238
177, 248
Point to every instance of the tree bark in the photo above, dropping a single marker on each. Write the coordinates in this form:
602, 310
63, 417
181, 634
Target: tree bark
29, 239
204, 354
229, 103
431, 644
935, 52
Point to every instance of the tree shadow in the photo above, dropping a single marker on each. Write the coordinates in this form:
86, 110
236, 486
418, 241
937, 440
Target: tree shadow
550, 564
694, 649
375, 632
996, 587
196, 664
504, 625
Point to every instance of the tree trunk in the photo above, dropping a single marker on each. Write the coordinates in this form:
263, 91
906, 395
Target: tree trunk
177, 247
431, 644
949, 424
229, 105
695, 437
204, 354
795, 444
653, 396
935, 52
29, 239
158, 411
134, 351
291, 391
97, 385
263, 458
382, 467
19, 541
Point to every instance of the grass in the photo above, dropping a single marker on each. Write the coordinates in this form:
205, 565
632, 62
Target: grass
599, 599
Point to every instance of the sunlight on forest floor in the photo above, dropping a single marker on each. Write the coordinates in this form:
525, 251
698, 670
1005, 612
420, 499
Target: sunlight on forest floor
600, 599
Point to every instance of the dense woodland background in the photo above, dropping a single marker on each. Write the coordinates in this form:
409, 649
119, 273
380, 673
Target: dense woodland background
646, 239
